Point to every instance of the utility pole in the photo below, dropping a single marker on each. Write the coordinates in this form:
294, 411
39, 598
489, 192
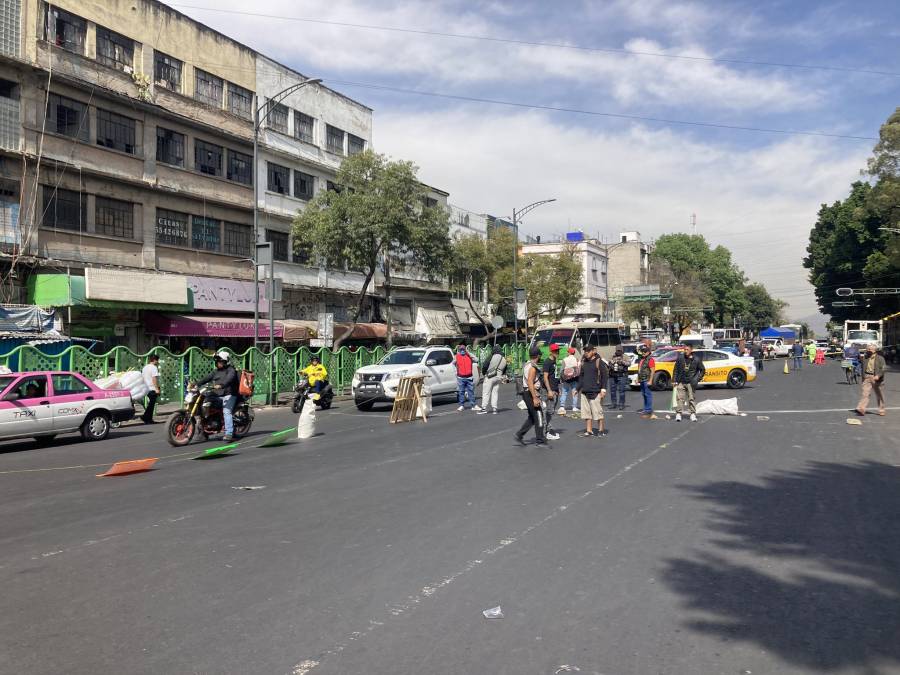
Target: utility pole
389, 340
516, 215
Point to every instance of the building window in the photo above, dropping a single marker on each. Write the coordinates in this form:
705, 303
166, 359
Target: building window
459, 285
114, 218
304, 185
115, 131
65, 30
355, 144
208, 158
171, 228
430, 202
205, 235
304, 127
64, 209
208, 88
478, 284
67, 117
240, 101
238, 239
114, 50
334, 139
167, 71
279, 178
240, 167
333, 187
278, 117
169, 147
279, 241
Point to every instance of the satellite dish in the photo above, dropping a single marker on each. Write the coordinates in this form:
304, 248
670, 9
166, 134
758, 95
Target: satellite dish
844, 292
498, 322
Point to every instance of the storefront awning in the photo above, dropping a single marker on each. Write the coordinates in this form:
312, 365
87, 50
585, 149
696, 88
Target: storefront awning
63, 290
362, 331
464, 313
180, 325
437, 323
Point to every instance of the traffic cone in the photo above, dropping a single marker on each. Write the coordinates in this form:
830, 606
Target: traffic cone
786, 371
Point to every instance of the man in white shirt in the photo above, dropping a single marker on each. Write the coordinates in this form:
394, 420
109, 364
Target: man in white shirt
151, 378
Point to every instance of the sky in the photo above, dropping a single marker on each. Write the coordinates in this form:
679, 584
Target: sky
755, 192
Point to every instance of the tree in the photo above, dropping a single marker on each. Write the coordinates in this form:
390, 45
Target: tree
378, 213
553, 283
725, 282
762, 309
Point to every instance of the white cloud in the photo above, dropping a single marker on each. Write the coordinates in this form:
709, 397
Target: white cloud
760, 203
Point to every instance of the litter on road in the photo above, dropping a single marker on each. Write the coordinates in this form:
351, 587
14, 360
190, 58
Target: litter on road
493, 613
725, 406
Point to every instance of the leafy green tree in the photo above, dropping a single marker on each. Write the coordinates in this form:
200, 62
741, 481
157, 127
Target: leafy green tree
762, 309
553, 284
492, 257
378, 213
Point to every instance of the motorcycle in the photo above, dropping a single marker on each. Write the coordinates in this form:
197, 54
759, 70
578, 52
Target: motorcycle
303, 390
202, 413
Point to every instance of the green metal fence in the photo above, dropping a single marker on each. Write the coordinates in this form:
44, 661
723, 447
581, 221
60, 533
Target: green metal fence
275, 372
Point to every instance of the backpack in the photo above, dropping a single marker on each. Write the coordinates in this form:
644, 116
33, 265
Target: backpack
570, 373
618, 367
245, 386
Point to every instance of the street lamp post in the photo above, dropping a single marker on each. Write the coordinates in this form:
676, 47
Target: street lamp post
516, 215
260, 115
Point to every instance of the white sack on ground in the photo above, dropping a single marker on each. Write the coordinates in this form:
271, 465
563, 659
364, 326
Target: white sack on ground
725, 406
425, 405
306, 425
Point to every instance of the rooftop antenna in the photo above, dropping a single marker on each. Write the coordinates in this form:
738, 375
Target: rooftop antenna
693, 223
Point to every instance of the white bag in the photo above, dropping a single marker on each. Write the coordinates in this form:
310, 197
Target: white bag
139, 391
130, 379
425, 406
306, 425
725, 406
109, 382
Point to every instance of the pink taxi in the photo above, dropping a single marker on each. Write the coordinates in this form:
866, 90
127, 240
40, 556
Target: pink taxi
44, 404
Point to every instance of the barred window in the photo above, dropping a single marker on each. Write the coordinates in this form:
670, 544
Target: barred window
65, 30
208, 88
356, 144
278, 118
64, 209
279, 241
167, 71
334, 139
171, 228
304, 127
114, 218
208, 158
279, 178
304, 185
238, 239
205, 234
67, 117
114, 50
169, 147
240, 167
115, 131
240, 101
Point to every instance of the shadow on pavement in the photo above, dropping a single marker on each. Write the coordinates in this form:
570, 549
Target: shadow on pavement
23, 444
833, 533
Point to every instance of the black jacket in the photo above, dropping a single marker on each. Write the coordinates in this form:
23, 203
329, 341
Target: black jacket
224, 381
594, 376
689, 372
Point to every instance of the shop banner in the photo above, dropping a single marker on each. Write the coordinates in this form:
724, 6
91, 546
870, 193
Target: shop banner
179, 325
226, 295
26, 319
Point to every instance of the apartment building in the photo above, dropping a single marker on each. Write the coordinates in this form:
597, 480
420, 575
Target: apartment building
126, 171
629, 265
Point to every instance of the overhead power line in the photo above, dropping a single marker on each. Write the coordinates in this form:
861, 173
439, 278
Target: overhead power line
596, 113
553, 45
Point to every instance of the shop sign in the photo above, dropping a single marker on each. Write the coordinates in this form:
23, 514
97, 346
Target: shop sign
226, 295
172, 231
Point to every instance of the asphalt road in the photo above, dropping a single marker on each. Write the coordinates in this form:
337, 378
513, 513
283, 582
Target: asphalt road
761, 544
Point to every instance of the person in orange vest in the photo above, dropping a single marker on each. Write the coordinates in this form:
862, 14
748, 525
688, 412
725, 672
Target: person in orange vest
465, 378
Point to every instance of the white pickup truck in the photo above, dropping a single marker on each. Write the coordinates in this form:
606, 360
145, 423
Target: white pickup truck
775, 347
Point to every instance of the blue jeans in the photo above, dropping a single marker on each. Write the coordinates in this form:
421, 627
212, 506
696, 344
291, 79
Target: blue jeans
798, 362
465, 387
228, 403
565, 389
617, 388
648, 397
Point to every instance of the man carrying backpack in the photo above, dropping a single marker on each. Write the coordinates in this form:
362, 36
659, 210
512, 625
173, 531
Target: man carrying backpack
568, 385
592, 385
531, 397
618, 380
494, 368
689, 370
646, 365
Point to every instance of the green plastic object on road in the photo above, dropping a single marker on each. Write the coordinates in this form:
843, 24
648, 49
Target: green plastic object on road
212, 452
278, 438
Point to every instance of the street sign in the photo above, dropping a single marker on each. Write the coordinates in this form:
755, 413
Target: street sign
325, 328
521, 305
264, 254
844, 292
276, 290
498, 322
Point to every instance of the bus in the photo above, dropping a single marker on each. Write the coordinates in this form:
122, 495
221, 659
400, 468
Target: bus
603, 335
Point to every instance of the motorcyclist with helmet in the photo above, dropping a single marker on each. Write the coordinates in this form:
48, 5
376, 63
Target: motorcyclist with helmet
224, 380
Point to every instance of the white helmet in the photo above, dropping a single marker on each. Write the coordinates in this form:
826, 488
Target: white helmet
223, 356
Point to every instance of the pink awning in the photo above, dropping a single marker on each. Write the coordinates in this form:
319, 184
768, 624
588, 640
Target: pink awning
181, 325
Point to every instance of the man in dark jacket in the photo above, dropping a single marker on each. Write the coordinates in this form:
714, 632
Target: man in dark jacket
618, 379
873, 366
225, 383
689, 370
758, 355
592, 384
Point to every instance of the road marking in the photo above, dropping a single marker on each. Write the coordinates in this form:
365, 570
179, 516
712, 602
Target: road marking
429, 590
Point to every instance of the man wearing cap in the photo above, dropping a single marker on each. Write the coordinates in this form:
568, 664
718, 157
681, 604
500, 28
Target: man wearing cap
592, 385
618, 380
569, 382
551, 386
873, 365
531, 396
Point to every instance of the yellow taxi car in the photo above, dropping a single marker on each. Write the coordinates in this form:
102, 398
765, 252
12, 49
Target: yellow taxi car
721, 368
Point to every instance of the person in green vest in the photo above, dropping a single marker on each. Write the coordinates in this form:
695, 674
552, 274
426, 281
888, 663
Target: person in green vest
811, 351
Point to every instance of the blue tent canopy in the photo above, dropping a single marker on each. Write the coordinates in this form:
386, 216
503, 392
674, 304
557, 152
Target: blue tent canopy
784, 333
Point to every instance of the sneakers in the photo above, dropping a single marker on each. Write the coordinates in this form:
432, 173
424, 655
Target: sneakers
227, 439
461, 408
481, 412
477, 408
693, 417
576, 411
519, 439
677, 417
561, 412
493, 412
552, 436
